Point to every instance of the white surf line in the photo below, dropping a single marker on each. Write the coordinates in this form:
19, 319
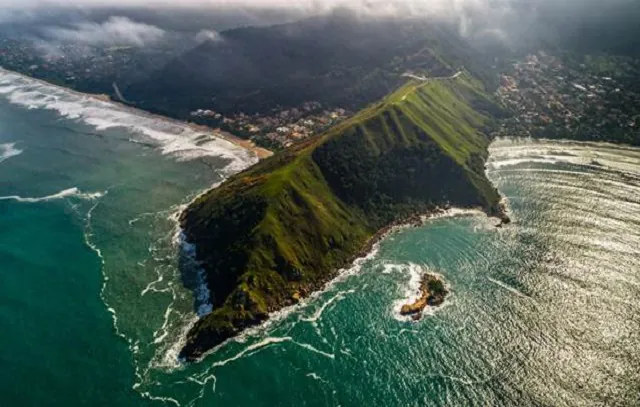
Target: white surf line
317, 377
9, 150
88, 234
187, 250
509, 288
251, 349
165, 400
338, 297
67, 193
151, 286
172, 137
342, 275
163, 331
259, 345
280, 315
148, 214
204, 378
315, 350
169, 359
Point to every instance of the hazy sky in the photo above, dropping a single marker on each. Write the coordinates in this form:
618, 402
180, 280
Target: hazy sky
311, 6
13, 10
505, 19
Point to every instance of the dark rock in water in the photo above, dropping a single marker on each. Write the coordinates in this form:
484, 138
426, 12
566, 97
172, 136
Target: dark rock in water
502, 215
433, 293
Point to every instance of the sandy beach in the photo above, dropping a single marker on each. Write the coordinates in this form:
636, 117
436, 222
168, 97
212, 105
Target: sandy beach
214, 132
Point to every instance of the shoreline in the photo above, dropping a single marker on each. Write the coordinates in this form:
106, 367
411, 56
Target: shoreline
420, 219
248, 145
351, 266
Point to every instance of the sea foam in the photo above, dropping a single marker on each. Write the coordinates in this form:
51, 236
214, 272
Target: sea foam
170, 137
8, 150
67, 193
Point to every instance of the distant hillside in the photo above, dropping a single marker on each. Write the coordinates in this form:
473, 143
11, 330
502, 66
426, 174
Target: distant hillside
279, 230
338, 60
592, 26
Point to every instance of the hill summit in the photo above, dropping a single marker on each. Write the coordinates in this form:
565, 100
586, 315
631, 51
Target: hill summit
280, 230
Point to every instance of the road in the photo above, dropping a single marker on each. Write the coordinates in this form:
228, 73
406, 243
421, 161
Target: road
424, 79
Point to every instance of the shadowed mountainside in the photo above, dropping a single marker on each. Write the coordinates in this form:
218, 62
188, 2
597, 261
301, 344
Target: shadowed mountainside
337, 60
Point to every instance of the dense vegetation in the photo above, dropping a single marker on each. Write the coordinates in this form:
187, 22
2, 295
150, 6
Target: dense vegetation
278, 231
337, 60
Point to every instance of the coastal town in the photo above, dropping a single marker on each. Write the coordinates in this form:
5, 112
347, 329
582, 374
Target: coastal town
280, 129
551, 96
91, 69
104, 68
560, 97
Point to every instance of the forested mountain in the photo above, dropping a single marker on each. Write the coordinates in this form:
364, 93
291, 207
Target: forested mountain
337, 60
278, 231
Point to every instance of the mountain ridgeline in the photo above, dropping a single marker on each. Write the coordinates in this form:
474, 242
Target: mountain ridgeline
280, 230
338, 60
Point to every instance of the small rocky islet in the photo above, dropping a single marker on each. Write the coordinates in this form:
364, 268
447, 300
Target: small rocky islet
432, 293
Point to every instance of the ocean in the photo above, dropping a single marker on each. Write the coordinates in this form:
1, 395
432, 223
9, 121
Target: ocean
97, 287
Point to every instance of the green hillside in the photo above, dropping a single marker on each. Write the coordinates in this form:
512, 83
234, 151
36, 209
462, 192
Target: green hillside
278, 231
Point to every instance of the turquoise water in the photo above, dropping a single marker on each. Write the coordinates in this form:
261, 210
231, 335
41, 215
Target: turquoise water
93, 306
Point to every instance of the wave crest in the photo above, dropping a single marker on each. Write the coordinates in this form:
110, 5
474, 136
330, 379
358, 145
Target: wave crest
66, 193
8, 150
170, 137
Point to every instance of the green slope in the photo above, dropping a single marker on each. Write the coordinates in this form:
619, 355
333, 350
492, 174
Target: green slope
281, 229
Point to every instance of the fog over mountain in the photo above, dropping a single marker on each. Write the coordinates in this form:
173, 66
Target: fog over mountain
508, 21
116, 30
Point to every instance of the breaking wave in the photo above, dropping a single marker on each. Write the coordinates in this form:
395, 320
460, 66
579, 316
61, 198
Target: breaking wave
170, 137
8, 150
67, 193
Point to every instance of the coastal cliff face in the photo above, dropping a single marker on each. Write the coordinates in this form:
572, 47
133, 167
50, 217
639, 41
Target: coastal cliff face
281, 229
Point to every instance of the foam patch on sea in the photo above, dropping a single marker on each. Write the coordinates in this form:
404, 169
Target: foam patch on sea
411, 287
66, 193
9, 150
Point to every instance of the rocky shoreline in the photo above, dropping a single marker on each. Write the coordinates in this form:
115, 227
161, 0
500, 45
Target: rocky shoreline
281, 230
415, 220
432, 294
418, 219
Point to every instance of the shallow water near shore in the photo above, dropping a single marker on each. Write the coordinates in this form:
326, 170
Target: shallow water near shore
542, 312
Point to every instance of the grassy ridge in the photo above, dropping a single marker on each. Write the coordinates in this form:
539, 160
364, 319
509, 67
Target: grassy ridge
278, 231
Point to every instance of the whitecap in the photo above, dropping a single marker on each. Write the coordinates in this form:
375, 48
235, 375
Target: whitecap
411, 288
170, 137
8, 150
67, 193
508, 287
259, 345
318, 313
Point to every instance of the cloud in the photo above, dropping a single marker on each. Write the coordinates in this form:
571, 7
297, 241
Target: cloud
311, 6
463, 11
505, 20
208, 35
114, 31
12, 15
